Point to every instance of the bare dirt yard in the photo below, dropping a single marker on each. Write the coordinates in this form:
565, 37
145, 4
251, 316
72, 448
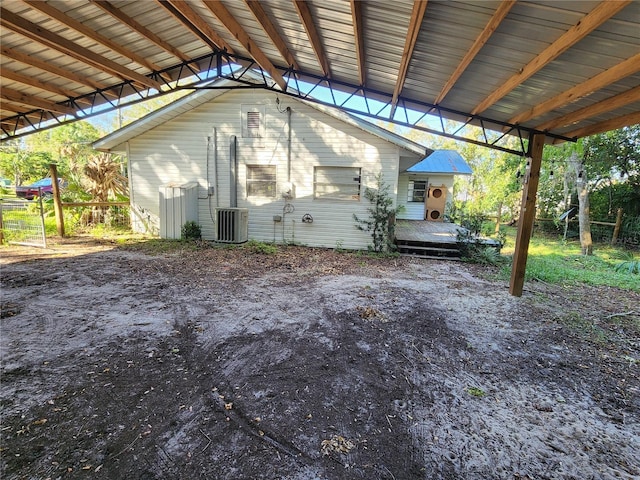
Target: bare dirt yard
214, 363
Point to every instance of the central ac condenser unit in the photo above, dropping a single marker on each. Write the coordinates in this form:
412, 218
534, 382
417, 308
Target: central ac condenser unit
232, 225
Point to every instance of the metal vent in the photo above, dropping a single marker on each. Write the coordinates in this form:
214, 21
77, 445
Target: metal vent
232, 225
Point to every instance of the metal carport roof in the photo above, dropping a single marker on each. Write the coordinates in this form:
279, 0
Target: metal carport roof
568, 68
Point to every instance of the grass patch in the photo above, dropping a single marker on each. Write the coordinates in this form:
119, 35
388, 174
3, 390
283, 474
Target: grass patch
475, 391
552, 260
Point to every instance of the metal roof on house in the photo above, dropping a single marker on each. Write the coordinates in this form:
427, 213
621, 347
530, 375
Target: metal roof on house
444, 162
560, 67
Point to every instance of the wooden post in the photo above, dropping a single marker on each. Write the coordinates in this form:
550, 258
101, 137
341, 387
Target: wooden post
57, 203
616, 229
527, 214
498, 218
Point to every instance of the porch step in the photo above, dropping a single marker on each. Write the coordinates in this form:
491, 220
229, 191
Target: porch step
419, 249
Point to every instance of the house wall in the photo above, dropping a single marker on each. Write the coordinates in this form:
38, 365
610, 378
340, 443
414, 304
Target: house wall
196, 147
415, 210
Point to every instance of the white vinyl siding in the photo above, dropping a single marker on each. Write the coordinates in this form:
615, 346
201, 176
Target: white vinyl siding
195, 147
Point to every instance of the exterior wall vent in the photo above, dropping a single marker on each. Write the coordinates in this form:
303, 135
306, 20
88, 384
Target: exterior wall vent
232, 225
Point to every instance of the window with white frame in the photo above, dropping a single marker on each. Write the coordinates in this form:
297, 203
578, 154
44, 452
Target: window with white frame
261, 181
336, 183
417, 190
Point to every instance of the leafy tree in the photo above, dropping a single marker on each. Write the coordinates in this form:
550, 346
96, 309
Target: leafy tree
381, 219
604, 161
22, 166
69, 146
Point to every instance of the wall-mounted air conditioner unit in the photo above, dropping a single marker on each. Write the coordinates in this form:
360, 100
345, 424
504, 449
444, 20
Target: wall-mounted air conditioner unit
232, 225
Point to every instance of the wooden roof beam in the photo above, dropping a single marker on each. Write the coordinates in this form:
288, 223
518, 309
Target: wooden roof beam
48, 67
35, 32
186, 15
358, 35
234, 27
89, 33
611, 124
314, 36
12, 108
612, 75
606, 105
592, 20
417, 15
18, 97
270, 29
33, 82
499, 15
143, 31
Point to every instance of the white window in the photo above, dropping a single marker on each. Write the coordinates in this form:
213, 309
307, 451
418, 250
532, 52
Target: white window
336, 183
253, 120
261, 181
417, 190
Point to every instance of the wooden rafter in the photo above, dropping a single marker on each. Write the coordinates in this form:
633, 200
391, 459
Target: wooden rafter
34, 82
56, 42
48, 67
92, 34
613, 74
115, 12
314, 36
612, 103
18, 97
234, 27
183, 12
501, 12
607, 125
417, 15
270, 29
8, 106
358, 35
592, 20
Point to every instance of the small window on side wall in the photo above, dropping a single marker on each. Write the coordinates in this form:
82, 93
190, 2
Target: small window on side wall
336, 183
417, 190
261, 181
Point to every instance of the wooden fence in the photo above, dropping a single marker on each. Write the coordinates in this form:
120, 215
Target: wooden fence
58, 205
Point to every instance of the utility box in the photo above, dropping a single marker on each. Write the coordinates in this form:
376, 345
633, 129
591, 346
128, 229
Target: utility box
178, 205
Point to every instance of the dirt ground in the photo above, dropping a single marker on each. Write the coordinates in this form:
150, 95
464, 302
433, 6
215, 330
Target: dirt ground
211, 363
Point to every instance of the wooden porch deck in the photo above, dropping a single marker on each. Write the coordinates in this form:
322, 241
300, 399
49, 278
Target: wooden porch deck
425, 231
426, 239
421, 238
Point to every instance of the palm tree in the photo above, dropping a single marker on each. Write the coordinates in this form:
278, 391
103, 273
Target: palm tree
104, 180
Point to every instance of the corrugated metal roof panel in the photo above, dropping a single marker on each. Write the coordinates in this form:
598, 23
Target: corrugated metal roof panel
442, 161
448, 31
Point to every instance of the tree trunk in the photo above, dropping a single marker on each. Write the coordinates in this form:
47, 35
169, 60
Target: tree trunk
582, 188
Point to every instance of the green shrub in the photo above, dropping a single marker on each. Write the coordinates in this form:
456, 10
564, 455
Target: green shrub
191, 231
474, 250
382, 217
